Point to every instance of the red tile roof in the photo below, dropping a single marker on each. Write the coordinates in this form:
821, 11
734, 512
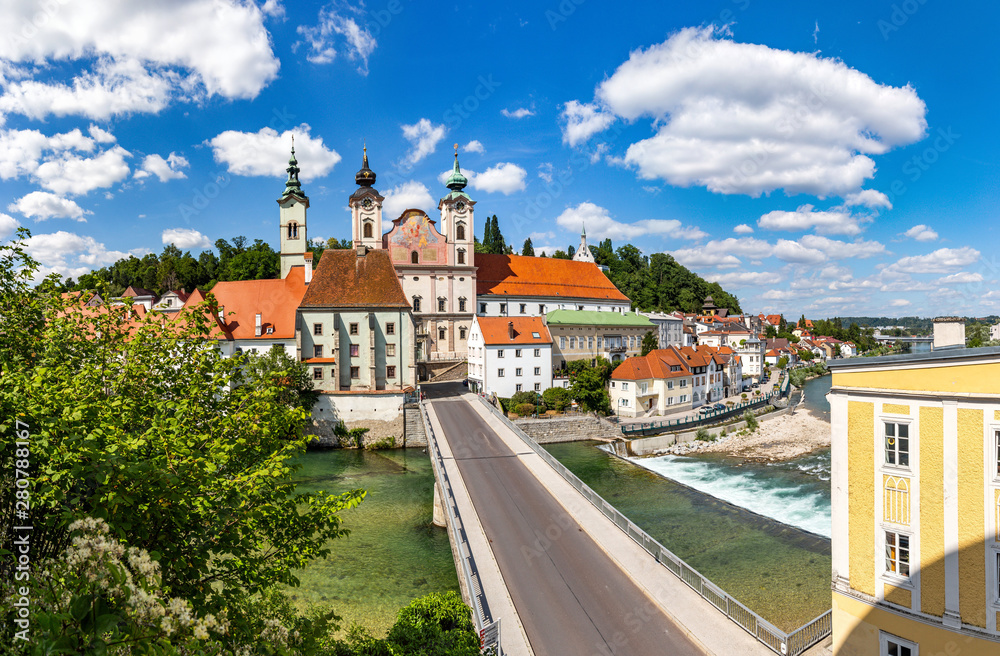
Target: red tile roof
275, 300
655, 364
343, 279
496, 330
520, 275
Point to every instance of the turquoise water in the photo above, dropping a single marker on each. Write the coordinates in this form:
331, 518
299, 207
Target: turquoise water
394, 553
815, 391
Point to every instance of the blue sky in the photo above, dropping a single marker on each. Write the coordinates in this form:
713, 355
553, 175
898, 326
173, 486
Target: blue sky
811, 157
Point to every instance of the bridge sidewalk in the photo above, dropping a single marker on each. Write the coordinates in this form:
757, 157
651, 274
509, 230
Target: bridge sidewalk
716, 633
513, 639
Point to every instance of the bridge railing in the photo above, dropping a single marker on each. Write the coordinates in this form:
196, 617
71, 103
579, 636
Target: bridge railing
487, 627
787, 644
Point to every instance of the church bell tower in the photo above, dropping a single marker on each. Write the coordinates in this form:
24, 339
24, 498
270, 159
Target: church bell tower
293, 204
366, 209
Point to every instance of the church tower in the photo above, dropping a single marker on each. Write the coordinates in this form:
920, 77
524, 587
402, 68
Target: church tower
457, 218
366, 209
293, 204
583, 253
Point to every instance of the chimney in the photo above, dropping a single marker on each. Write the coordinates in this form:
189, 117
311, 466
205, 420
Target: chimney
510, 330
949, 332
256, 327
361, 251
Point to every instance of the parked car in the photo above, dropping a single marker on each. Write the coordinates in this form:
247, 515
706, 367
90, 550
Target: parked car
719, 406
704, 410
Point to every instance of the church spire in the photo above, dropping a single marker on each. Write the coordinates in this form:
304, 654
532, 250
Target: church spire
365, 177
457, 181
292, 185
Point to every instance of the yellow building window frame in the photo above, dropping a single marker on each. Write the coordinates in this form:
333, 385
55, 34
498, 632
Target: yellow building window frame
896, 507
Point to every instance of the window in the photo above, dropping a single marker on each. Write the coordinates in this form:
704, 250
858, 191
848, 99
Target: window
390, 329
460, 231
317, 329
598, 343
541, 308
317, 351
355, 373
624, 387
684, 382
590, 343
538, 387
580, 308
538, 353
499, 353
461, 333
353, 329
897, 444
354, 350
414, 258
441, 334
517, 388
499, 373
482, 308
517, 372
390, 350
317, 373
562, 342
461, 256
538, 371
441, 304
416, 304
524, 308
293, 230
503, 308
890, 645
896, 507
517, 353
572, 342
461, 305
670, 384
368, 230
390, 371
897, 554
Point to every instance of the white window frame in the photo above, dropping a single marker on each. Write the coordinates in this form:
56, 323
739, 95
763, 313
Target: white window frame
538, 371
499, 373
538, 353
885, 638
517, 353
517, 371
499, 353
896, 578
910, 438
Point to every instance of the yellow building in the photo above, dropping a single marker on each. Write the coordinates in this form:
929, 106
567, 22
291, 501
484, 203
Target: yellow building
916, 503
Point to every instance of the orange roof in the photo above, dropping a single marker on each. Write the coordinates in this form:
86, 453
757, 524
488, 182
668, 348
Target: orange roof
241, 300
320, 360
656, 364
343, 279
773, 319
497, 330
521, 275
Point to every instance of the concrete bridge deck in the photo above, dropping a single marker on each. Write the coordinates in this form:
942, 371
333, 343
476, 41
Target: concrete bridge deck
564, 578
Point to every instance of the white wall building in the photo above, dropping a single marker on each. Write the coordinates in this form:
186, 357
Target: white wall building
509, 355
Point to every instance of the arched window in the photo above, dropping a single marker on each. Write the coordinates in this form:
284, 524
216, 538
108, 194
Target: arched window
368, 230
414, 258
293, 230
416, 304
461, 256
896, 508
460, 232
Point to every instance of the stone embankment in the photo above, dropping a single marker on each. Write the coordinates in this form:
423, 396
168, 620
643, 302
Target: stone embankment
407, 430
569, 429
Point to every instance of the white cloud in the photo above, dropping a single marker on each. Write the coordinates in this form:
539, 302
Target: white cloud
423, 137
899, 302
742, 279
406, 196
8, 225
839, 250
743, 229
960, 278
521, 112
266, 152
869, 198
100, 135
474, 146
72, 255
504, 177
184, 238
273, 8
545, 170
358, 43
797, 253
749, 119
599, 225
583, 121
921, 232
164, 169
70, 174
21, 151
42, 205
943, 260
836, 221
142, 55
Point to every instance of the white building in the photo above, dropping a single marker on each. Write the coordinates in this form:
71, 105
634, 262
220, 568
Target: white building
669, 328
509, 355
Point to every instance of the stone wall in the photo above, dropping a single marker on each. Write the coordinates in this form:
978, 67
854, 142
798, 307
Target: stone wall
569, 429
409, 425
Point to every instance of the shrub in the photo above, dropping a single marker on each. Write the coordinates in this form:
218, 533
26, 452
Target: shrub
751, 420
520, 398
525, 409
556, 398
703, 435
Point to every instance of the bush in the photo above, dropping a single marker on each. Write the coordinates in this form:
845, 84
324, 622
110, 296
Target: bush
704, 436
751, 420
525, 409
556, 398
520, 398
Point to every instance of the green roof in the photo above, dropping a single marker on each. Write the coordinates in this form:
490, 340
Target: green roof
595, 318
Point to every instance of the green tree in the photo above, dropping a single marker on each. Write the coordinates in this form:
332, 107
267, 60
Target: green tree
556, 398
589, 391
977, 334
649, 342
782, 362
528, 248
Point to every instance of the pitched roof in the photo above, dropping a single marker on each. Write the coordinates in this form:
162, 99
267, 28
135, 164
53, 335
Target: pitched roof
137, 291
773, 319
345, 279
655, 364
242, 300
497, 330
595, 318
548, 277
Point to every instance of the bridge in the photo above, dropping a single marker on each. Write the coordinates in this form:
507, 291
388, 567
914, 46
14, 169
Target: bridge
545, 558
888, 339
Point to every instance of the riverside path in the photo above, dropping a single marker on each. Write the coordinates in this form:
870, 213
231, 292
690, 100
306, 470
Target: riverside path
572, 593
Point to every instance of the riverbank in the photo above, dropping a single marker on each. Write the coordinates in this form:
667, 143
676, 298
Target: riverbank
782, 438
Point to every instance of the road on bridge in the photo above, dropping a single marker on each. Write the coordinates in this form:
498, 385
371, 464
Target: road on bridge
571, 597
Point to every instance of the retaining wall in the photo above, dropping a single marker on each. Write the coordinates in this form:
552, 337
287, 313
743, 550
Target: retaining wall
569, 429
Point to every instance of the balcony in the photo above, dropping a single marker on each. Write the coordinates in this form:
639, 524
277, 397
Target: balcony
616, 349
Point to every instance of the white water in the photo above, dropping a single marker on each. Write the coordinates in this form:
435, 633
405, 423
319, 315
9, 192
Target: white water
767, 491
